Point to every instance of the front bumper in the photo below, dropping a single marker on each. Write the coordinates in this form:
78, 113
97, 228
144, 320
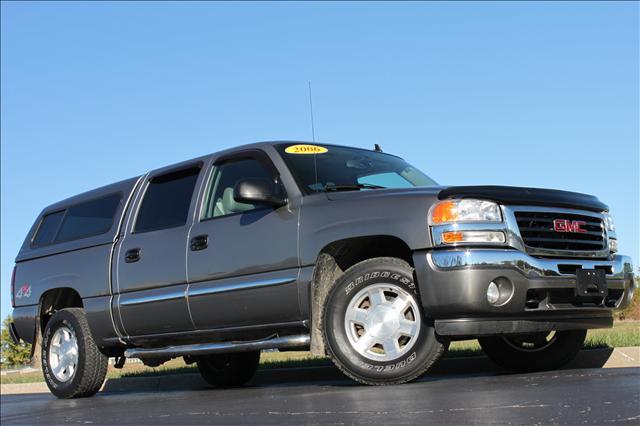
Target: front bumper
453, 287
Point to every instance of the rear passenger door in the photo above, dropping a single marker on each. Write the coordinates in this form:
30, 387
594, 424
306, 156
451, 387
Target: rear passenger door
151, 257
243, 260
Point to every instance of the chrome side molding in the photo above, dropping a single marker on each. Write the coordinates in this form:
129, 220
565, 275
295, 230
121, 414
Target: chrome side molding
151, 298
218, 287
284, 342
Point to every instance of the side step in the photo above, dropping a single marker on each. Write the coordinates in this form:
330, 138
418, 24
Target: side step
288, 342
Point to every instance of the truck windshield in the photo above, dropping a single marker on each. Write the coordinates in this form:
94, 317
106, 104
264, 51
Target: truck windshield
322, 168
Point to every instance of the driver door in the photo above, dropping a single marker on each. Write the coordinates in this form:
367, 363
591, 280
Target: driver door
242, 260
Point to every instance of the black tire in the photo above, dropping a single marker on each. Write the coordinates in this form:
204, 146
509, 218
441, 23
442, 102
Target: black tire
91, 367
228, 370
534, 352
418, 356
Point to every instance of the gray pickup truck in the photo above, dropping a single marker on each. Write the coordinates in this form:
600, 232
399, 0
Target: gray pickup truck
348, 252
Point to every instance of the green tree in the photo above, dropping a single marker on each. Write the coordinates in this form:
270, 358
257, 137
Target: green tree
13, 354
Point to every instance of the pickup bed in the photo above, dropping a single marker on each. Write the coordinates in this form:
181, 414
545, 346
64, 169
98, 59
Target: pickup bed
348, 252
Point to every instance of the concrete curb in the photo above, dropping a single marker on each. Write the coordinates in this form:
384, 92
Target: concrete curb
593, 358
25, 370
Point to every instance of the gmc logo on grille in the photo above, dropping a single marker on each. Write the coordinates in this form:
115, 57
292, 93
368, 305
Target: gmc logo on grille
566, 225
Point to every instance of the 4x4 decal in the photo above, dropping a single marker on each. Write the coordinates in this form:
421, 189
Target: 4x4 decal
24, 291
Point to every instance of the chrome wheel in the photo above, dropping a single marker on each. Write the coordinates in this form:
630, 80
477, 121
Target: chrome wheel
63, 354
531, 342
382, 322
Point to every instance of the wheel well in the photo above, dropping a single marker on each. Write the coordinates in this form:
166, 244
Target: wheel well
55, 299
350, 251
337, 257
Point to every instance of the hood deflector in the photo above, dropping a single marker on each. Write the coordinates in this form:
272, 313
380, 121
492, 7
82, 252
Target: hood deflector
512, 195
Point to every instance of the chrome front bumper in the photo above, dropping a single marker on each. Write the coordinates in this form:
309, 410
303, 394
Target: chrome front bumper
529, 266
453, 287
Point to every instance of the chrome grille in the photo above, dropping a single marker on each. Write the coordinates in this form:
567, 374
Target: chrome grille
537, 231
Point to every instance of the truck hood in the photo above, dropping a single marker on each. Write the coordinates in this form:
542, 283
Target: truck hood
510, 195
526, 196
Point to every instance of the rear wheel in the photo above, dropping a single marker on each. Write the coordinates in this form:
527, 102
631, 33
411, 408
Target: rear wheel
72, 365
374, 327
534, 352
228, 370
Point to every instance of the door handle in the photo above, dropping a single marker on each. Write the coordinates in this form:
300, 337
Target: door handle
200, 242
132, 255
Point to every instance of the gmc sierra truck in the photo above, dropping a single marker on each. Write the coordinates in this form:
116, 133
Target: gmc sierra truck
347, 252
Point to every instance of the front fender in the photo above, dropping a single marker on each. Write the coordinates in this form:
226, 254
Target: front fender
402, 215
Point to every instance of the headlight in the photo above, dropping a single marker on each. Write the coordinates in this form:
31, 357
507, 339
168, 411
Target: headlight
451, 211
608, 222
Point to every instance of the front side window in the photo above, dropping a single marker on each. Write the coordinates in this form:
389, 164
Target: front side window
166, 201
338, 168
220, 201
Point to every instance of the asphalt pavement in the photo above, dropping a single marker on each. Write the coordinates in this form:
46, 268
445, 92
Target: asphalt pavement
316, 396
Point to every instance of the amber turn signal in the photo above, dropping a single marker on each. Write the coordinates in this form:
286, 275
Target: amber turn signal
445, 211
452, 237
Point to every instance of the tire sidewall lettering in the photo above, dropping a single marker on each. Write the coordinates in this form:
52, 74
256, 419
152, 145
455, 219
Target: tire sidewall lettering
362, 279
45, 358
389, 367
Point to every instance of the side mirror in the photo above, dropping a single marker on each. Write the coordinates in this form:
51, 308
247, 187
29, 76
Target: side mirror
259, 191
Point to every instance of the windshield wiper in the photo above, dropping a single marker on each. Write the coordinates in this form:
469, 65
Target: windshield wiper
357, 186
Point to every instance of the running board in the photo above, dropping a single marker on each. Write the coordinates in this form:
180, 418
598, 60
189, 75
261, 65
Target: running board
285, 342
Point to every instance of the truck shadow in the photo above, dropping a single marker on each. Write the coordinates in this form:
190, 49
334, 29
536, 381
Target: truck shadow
446, 369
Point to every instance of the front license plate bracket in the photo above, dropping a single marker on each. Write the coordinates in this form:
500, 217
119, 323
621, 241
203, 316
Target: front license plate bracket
591, 282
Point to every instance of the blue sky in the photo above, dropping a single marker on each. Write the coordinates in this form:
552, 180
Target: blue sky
528, 94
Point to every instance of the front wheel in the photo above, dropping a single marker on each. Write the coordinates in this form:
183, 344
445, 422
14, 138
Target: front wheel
72, 365
534, 352
374, 326
228, 370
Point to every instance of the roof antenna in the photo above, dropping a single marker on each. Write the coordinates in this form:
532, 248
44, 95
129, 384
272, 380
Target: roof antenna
313, 136
377, 148
313, 132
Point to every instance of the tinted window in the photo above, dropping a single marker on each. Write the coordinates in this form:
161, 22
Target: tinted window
220, 201
90, 218
48, 228
387, 180
344, 168
166, 201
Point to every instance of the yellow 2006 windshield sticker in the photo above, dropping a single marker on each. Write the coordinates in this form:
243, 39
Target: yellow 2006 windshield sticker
305, 149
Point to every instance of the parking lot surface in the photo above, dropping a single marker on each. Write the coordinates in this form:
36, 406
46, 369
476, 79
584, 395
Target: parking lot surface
578, 396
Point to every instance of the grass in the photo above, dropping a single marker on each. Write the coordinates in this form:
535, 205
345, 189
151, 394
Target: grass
623, 334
